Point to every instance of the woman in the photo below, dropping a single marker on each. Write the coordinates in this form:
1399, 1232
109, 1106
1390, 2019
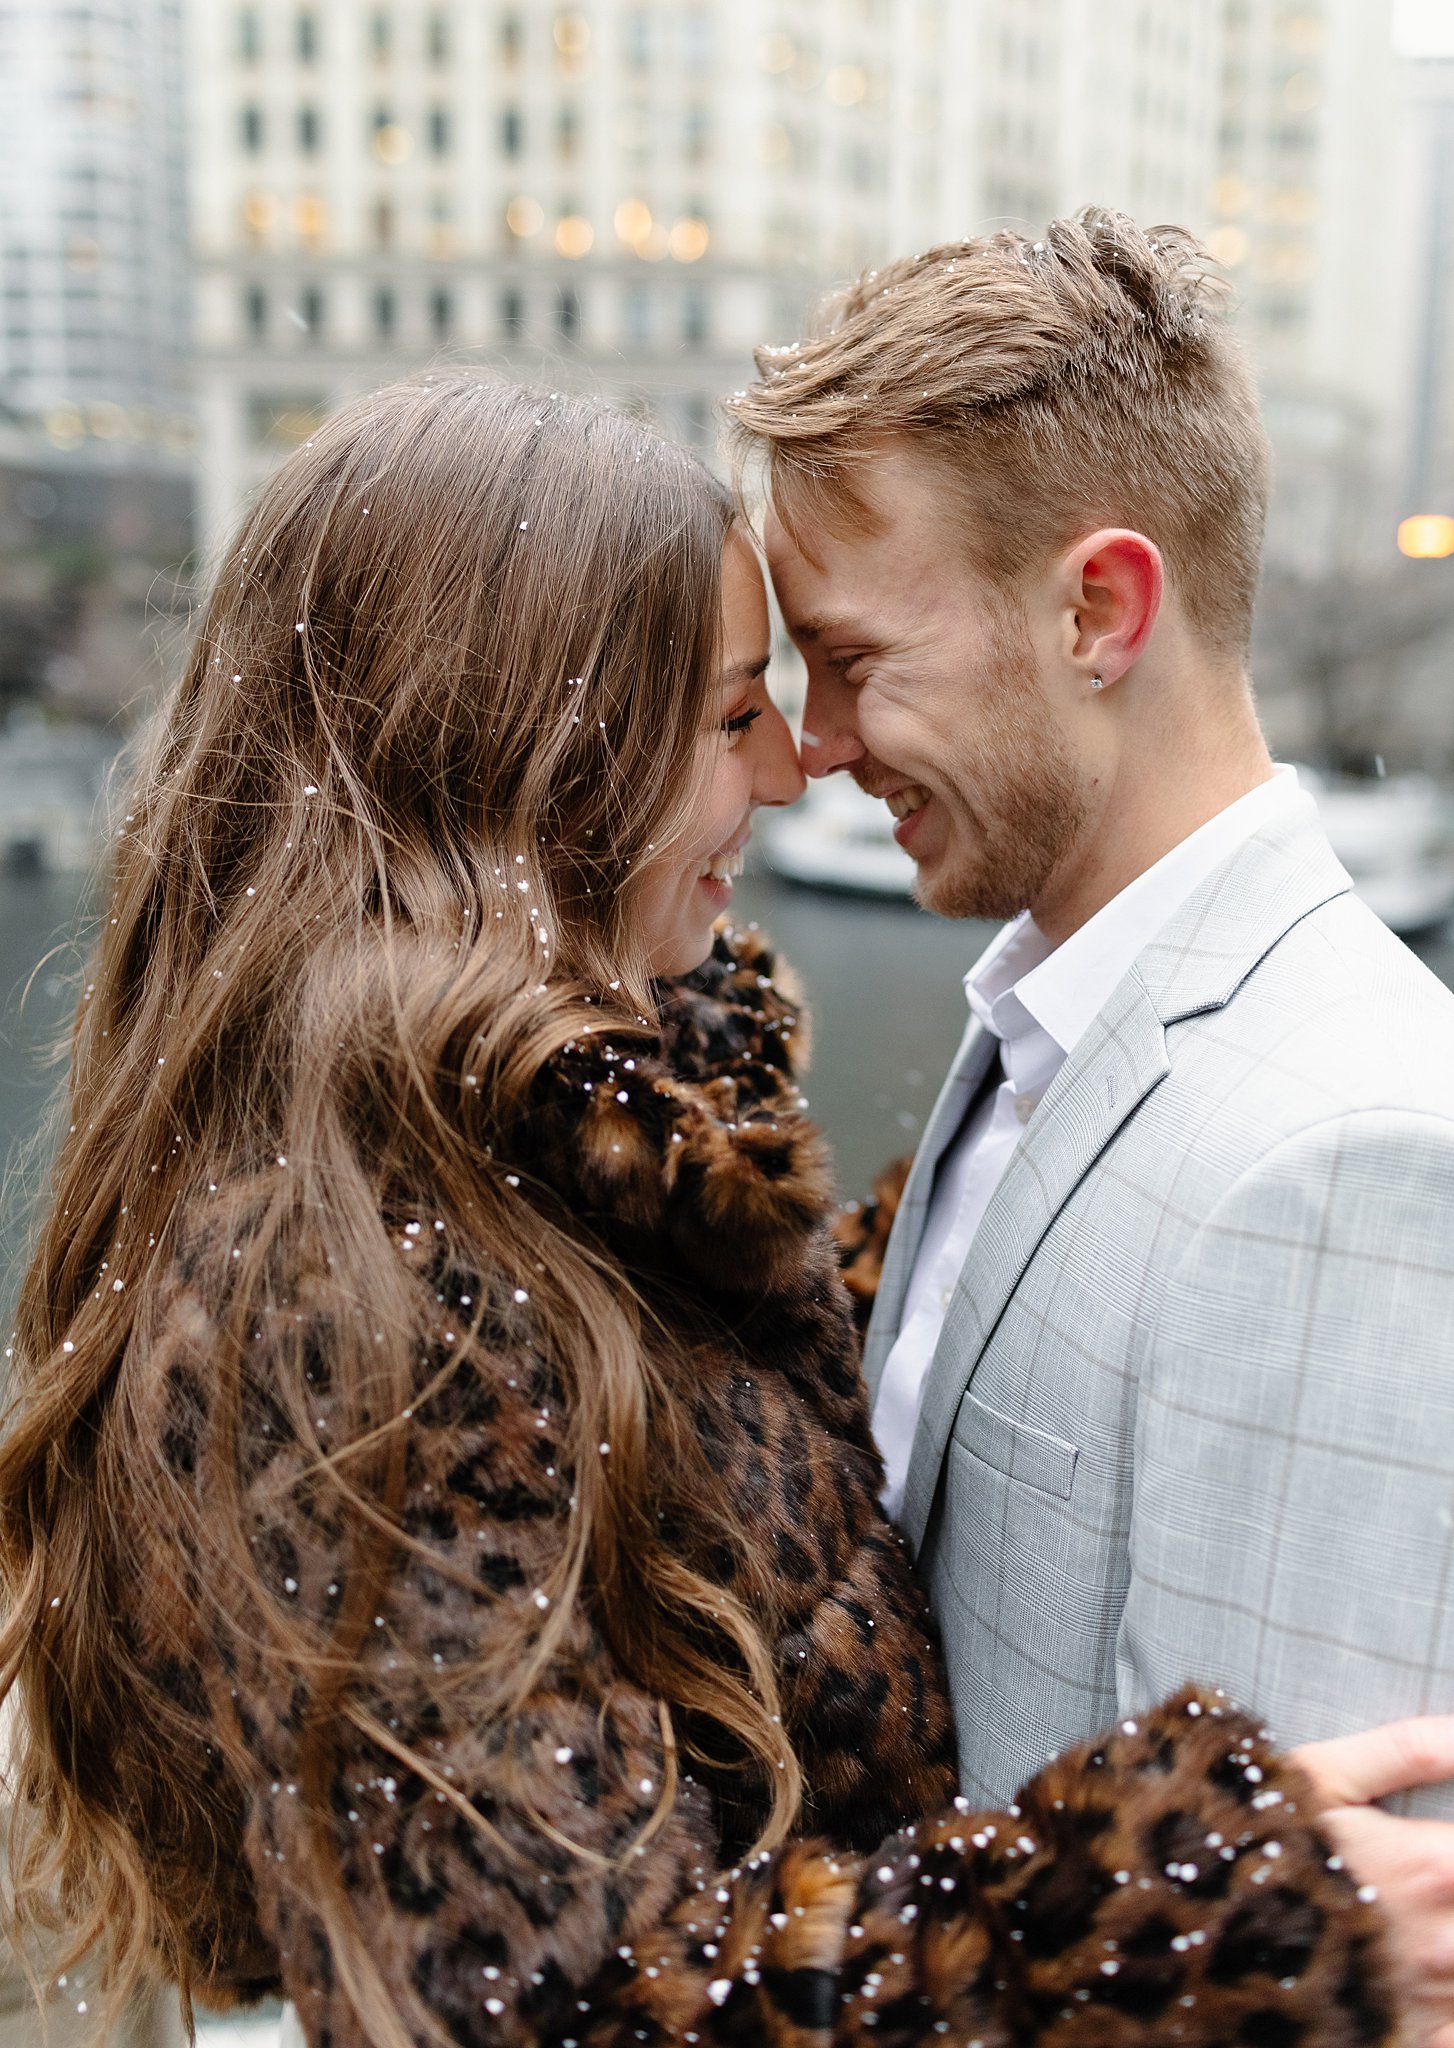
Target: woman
447, 1582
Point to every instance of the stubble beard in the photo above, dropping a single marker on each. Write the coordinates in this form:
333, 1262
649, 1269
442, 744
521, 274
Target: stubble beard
1018, 789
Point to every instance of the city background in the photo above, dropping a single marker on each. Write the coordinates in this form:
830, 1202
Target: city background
218, 221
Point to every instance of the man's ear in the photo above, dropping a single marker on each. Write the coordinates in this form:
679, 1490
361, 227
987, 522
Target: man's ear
1112, 582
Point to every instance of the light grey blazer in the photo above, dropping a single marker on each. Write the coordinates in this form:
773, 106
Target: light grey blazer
1192, 1410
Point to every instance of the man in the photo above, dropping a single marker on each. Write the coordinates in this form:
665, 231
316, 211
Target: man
1163, 1356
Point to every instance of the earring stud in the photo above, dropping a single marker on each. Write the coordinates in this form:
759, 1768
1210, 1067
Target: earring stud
1098, 682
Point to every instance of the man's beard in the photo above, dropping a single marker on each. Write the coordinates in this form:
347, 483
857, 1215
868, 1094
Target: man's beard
1018, 789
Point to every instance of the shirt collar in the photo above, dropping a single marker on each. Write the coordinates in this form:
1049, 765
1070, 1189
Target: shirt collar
1021, 982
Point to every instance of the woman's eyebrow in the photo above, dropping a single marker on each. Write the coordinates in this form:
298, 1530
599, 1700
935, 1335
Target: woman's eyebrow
746, 671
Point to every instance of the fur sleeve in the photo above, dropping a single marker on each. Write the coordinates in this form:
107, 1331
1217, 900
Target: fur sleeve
1160, 1886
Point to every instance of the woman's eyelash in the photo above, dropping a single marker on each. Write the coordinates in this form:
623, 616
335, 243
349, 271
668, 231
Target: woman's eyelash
742, 721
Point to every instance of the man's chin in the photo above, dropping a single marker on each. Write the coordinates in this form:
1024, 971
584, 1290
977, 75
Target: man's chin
963, 892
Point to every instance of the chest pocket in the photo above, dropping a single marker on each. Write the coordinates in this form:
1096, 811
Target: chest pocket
1032, 1456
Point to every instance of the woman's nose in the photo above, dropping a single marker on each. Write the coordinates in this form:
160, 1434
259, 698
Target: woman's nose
777, 773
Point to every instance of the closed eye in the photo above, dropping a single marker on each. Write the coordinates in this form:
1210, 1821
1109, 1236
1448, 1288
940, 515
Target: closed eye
735, 726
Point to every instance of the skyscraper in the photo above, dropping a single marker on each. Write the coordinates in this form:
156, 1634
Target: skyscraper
93, 232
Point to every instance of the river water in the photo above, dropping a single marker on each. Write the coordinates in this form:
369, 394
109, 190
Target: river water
883, 982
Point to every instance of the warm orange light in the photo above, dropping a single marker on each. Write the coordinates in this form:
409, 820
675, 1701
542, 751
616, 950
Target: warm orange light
847, 85
310, 214
1229, 246
689, 239
1427, 537
393, 144
259, 210
525, 216
633, 220
574, 235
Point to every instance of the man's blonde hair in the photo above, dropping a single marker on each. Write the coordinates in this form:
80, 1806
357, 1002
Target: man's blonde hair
1086, 379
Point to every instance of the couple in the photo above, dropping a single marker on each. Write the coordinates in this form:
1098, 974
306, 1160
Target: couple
448, 1570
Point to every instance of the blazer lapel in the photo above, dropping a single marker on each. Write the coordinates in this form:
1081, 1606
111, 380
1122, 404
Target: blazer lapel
1116, 1065
977, 1051
1194, 964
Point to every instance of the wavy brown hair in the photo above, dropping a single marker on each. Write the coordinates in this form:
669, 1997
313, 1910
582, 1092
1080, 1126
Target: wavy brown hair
443, 709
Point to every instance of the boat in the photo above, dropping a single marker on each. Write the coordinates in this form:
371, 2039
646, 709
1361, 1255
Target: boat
1394, 834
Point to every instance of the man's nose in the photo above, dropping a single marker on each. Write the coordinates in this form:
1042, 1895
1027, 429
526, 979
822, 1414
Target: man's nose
830, 731
777, 775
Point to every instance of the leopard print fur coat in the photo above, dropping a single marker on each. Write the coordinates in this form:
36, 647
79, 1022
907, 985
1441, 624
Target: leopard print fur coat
1165, 1885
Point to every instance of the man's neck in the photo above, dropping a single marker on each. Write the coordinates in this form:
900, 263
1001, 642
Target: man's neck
1140, 820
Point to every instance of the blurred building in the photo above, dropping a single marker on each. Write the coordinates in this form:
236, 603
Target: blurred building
633, 195
1307, 200
1426, 480
96, 437
630, 195
1024, 109
93, 230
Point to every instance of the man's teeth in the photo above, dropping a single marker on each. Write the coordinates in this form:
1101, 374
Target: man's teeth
726, 865
904, 802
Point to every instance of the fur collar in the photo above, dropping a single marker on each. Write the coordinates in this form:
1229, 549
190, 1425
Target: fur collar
696, 1134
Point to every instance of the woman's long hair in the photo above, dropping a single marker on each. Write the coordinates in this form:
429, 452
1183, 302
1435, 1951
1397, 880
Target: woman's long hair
443, 708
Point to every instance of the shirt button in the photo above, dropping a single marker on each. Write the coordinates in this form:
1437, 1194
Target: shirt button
946, 1295
1025, 1107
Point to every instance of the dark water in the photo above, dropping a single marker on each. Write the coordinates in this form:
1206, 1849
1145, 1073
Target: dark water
883, 982
40, 972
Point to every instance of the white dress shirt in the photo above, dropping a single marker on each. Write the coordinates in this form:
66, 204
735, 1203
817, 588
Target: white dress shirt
1038, 1000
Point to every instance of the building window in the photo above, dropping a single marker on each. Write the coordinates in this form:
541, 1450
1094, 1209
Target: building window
255, 312
568, 134
249, 35
443, 242
698, 132
512, 39
383, 223
697, 41
310, 213
386, 312
512, 132
438, 131
512, 315
436, 37
305, 39
441, 314
636, 36
252, 129
259, 211
695, 319
308, 130
696, 420
310, 311
568, 313
381, 36
637, 311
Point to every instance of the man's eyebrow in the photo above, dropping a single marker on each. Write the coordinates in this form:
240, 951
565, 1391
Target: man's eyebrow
747, 671
815, 628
